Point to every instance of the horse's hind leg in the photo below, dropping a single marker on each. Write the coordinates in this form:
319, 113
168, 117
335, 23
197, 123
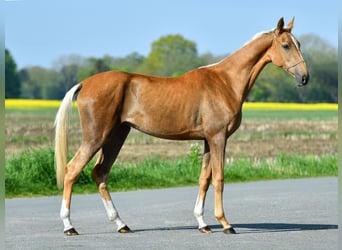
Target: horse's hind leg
73, 170
108, 154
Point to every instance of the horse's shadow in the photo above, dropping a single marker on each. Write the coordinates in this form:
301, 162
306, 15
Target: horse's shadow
281, 227
252, 228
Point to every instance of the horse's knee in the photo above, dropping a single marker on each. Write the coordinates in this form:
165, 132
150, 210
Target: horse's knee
204, 184
218, 185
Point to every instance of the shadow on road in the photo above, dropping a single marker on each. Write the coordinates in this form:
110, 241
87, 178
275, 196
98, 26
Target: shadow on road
253, 227
281, 227
166, 229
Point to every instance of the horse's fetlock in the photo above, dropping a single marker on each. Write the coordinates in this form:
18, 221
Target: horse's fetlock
219, 217
112, 217
198, 212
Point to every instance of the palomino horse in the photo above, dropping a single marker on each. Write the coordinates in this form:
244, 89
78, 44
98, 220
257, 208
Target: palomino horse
203, 104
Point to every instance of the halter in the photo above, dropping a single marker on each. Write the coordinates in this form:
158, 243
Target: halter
294, 65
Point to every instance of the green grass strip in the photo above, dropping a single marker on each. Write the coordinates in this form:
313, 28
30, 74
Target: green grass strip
32, 173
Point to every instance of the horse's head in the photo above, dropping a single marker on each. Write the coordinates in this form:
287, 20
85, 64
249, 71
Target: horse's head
285, 53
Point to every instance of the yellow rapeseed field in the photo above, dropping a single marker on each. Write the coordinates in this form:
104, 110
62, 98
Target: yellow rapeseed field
289, 106
36, 104
31, 104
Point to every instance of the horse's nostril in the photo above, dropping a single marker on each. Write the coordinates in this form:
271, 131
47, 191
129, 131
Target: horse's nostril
302, 80
305, 79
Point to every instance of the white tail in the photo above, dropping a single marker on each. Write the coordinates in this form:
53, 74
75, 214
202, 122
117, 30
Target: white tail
61, 135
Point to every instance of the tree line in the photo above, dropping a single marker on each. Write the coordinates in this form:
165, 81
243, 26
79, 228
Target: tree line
173, 55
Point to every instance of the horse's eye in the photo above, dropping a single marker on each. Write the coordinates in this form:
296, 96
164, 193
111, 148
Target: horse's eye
285, 46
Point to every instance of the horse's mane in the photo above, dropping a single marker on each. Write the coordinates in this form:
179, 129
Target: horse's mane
257, 35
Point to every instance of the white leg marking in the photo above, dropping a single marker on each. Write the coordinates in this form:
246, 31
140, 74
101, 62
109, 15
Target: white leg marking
198, 212
65, 216
112, 213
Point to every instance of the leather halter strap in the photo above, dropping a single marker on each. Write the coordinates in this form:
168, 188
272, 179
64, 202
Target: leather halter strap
292, 66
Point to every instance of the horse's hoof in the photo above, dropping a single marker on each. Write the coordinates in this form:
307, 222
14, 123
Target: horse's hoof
229, 231
205, 229
71, 232
125, 230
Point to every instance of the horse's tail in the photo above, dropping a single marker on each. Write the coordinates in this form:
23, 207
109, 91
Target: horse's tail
61, 134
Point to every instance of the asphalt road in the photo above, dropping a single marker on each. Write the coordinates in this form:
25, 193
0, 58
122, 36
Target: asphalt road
286, 214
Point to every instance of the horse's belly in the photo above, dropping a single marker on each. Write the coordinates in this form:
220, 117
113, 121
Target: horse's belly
167, 129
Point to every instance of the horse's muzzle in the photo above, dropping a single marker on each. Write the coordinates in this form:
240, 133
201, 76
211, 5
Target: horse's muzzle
302, 80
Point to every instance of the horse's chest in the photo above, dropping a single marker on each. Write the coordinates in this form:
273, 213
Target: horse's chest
234, 123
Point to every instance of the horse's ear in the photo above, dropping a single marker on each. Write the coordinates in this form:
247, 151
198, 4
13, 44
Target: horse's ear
290, 24
280, 26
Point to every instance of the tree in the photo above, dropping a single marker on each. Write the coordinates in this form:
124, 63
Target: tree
322, 61
93, 66
37, 82
274, 85
12, 80
171, 55
64, 75
208, 58
66, 78
129, 63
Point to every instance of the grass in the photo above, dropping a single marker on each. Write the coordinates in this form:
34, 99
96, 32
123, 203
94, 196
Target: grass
309, 115
29, 170
32, 173
282, 167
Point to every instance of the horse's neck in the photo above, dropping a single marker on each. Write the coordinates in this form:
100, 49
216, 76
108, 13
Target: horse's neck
243, 66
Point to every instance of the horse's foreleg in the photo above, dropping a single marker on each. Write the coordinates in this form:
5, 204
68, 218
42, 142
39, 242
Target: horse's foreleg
204, 182
217, 151
101, 171
73, 170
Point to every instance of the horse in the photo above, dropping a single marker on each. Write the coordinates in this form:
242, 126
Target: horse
202, 104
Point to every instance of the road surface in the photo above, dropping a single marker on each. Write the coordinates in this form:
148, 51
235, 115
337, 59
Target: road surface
285, 214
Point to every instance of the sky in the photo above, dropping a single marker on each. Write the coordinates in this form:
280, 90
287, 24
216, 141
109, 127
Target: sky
39, 32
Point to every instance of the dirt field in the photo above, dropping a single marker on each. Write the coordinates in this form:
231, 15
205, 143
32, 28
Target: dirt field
256, 139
